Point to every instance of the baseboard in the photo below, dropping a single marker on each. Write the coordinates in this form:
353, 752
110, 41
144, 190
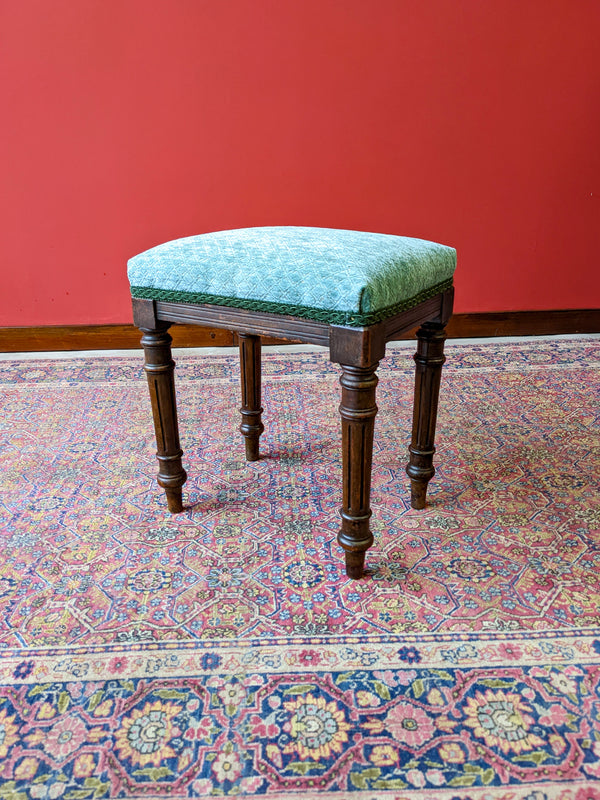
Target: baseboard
118, 337
102, 337
525, 323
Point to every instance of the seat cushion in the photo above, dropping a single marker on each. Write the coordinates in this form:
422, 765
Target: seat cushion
336, 276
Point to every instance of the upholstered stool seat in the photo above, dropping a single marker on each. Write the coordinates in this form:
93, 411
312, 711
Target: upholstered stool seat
351, 291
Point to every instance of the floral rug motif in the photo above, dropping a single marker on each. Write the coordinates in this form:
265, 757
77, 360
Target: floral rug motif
223, 651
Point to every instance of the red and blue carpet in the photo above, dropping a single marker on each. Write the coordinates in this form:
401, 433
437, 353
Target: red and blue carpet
223, 651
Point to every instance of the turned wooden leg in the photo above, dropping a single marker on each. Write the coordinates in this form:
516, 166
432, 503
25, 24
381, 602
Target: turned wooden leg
358, 410
429, 359
159, 368
251, 410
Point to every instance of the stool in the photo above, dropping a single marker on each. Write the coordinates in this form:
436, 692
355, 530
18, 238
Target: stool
350, 291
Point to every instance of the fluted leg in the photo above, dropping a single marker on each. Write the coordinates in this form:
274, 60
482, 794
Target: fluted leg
358, 410
429, 360
251, 410
159, 368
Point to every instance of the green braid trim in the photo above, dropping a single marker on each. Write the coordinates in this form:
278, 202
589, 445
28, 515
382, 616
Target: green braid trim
332, 317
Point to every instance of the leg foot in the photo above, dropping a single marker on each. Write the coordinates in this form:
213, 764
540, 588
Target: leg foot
358, 410
355, 564
174, 500
159, 368
251, 426
418, 494
429, 360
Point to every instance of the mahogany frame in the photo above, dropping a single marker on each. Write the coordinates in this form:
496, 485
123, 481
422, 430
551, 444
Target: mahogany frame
357, 350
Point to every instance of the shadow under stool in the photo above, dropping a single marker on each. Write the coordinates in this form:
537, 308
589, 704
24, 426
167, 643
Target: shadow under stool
350, 291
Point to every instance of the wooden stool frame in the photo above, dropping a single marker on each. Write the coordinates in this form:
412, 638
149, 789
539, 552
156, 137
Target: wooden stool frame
357, 350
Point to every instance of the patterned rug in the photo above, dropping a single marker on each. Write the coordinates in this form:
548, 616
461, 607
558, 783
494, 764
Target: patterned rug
224, 652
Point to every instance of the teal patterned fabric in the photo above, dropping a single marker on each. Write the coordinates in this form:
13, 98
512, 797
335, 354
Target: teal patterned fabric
337, 276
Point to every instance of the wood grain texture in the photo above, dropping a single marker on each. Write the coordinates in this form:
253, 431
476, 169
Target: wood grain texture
357, 409
251, 426
159, 368
429, 360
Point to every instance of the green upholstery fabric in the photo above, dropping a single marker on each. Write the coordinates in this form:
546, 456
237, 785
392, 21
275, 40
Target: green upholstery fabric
337, 276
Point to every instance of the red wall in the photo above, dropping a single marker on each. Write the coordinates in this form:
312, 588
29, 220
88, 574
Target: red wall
131, 122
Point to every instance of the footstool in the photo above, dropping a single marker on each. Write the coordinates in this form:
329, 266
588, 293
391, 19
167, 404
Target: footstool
351, 291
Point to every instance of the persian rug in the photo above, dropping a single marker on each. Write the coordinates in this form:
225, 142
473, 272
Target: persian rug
223, 652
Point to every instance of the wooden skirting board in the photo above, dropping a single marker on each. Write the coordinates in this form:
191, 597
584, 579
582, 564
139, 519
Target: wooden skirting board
117, 337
